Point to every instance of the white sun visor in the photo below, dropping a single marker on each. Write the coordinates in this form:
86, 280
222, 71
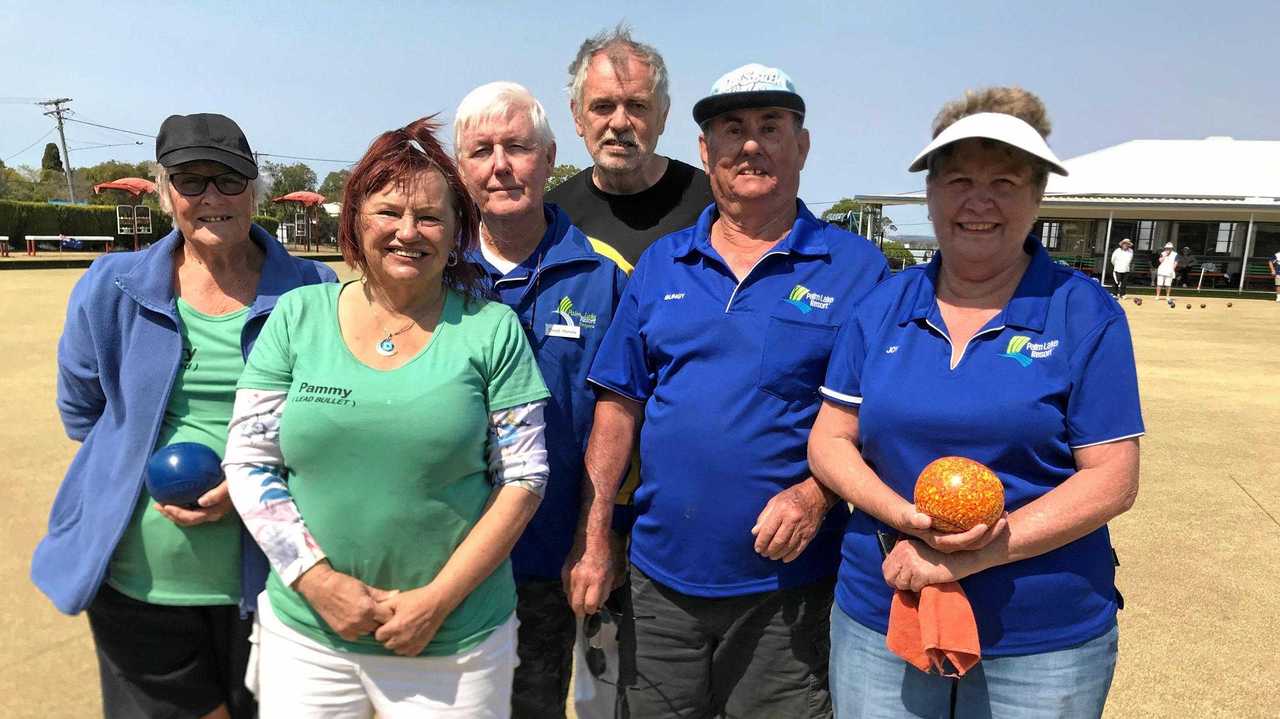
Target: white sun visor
992, 126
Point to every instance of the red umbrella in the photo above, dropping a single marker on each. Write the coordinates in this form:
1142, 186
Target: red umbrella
302, 197
307, 200
133, 185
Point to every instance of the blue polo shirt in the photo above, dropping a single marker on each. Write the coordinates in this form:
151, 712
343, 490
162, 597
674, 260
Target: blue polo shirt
1052, 372
565, 295
729, 375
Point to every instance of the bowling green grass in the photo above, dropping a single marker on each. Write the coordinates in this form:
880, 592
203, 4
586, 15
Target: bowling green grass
1198, 552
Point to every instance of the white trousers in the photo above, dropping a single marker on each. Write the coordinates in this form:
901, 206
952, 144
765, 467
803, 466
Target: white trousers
296, 677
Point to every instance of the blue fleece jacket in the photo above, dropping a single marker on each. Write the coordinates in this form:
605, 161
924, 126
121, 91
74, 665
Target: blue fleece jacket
565, 294
117, 359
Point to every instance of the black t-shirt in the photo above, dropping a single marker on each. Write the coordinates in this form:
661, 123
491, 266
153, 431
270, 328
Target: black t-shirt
630, 223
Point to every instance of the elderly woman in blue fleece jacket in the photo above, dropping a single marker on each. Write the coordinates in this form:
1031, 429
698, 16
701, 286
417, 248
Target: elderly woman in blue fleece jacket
153, 344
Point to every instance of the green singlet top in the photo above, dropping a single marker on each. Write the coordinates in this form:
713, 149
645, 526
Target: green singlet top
388, 467
157, 561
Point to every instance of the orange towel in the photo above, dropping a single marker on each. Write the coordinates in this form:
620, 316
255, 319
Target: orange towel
935, 629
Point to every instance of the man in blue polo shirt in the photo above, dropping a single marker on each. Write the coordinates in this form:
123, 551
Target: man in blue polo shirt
720, 343
565, 290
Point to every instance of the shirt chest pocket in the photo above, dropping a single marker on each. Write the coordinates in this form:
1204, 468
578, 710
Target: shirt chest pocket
794, 358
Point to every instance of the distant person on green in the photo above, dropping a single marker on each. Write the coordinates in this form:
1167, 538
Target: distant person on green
153, 345
1274, 264
408, 412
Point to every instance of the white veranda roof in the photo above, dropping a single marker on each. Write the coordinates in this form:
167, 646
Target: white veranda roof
1215, 167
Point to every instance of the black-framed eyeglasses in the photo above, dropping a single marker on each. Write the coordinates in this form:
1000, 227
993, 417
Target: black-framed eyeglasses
191, 184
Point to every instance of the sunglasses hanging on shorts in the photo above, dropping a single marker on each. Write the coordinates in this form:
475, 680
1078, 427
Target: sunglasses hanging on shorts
596, 662
190, 184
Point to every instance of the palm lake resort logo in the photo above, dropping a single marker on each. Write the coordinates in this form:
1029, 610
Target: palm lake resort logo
806, 300
1022, 350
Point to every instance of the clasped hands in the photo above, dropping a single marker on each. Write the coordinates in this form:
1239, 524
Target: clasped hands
927, 556
403, 621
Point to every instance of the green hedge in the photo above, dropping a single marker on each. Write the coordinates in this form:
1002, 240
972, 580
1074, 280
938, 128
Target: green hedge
270, 224
19, 219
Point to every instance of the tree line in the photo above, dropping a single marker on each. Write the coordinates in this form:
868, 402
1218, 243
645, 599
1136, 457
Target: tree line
49, 182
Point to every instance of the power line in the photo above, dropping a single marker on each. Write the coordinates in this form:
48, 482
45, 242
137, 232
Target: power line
108, 127
261, 154
311, 159
99, 147
28, 147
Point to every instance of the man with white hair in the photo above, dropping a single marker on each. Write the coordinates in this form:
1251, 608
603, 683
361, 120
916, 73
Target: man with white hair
720, 344
565, 288
618, 95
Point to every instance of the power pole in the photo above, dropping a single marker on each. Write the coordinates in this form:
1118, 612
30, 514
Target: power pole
57, 112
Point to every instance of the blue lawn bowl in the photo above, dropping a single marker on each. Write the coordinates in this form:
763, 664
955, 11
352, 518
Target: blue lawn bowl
181, 473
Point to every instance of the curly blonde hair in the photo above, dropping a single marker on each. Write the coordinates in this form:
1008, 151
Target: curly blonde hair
1013, 100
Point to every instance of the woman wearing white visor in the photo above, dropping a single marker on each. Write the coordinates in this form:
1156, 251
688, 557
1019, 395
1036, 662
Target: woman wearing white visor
992, 352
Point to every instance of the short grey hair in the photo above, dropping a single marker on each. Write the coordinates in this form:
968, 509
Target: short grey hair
257, 188
618, 43
497, 100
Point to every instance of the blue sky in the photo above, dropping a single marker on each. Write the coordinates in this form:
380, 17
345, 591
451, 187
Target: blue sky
321, 79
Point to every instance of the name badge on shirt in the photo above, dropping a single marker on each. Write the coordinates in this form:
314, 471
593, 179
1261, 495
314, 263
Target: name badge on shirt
573, 332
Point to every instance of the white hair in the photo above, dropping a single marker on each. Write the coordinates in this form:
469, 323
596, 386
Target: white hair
257, 189
498, 100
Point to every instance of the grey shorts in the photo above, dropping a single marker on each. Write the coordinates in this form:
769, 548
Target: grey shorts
754, 656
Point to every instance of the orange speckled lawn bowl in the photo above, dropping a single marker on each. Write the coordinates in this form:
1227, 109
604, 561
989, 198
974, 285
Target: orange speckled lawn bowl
959, 494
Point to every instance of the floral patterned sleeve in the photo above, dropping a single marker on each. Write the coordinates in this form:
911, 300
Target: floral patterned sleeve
517, 447
259, 484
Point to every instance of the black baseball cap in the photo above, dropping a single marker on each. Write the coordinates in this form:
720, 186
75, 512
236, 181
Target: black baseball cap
205, 136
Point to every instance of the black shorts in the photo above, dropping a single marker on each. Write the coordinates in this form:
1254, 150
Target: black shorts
163, 661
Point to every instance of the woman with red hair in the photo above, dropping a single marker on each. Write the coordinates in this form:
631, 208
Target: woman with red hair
386, 452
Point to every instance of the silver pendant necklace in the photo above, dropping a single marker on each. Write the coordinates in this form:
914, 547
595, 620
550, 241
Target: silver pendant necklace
387, 345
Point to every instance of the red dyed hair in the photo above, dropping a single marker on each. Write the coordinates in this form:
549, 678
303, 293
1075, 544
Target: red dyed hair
391, 158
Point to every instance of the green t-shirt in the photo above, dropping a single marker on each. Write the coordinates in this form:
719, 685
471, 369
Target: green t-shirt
388, 467
157, 561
